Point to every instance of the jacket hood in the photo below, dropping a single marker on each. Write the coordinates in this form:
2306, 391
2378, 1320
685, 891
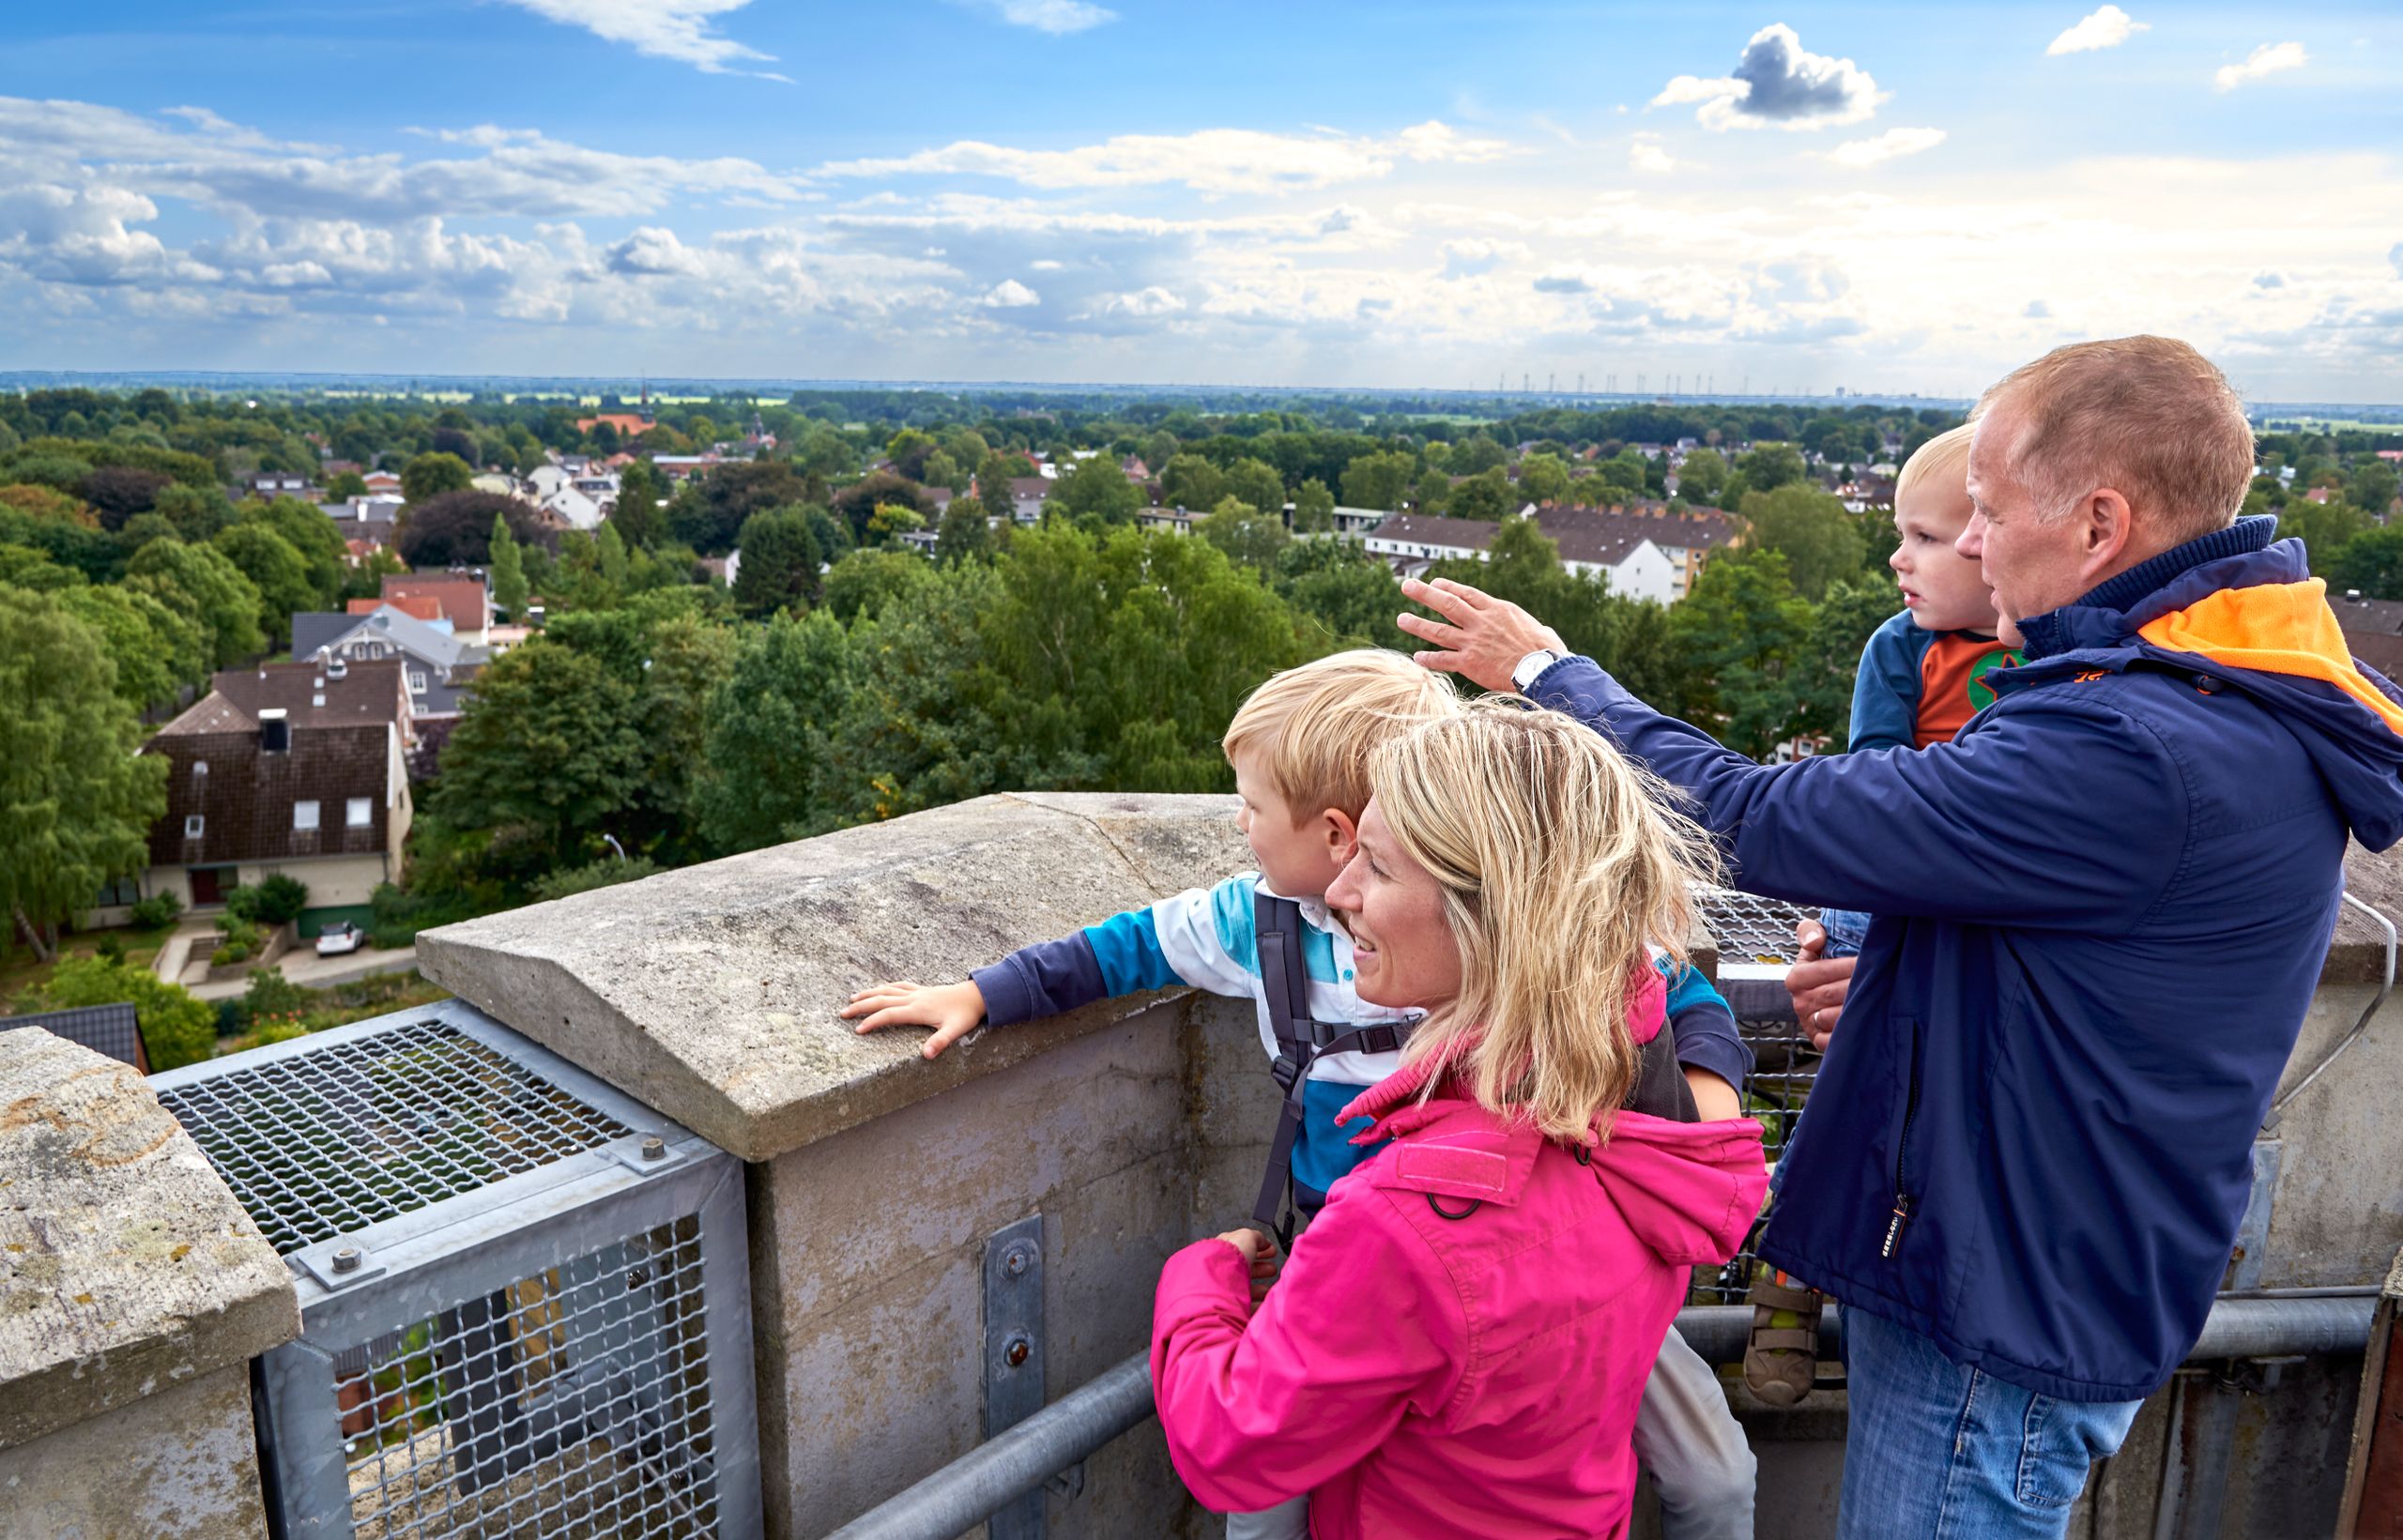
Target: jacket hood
2257, 621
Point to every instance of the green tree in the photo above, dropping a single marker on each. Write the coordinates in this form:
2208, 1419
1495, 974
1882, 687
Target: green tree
1475, 454
2372, 562
965, 533
344, 485
942, 470
1738, 632
1820, 541
309, 532
640, 518
2324, 529
1825, 666
1376, 480
1313, 508
1350, 596
1255, 482
2372, 487
275, 570
1245, 533
1191, 481
177, 1028
76, 800
1543, 478
549, 749
154, 649
510, 589
1488, 494
1702, 477
200, 583
1768, 466
1100, 491
891, 520
780, 561
993, 475
864, 582
431, 475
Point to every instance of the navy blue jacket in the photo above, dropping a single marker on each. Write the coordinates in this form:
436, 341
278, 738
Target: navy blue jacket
2101, 911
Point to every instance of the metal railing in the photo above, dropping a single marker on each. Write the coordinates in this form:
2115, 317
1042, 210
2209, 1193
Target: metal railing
1074, 1427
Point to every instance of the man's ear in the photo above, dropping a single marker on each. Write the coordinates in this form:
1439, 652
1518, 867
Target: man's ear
2109, 529
1342, 833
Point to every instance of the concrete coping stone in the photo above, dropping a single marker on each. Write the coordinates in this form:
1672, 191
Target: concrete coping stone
710, 993
126, 1265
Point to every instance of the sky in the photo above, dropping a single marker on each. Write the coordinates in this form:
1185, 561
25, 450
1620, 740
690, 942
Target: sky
1735, 197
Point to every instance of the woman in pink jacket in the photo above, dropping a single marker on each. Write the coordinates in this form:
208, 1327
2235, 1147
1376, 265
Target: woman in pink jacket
1457, 1345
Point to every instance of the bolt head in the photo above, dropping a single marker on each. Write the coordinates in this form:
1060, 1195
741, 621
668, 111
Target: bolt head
1016, 1262
346, 1260
1015, 1354
655, 1147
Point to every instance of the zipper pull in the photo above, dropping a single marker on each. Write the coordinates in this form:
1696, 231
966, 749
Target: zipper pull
1895, 1225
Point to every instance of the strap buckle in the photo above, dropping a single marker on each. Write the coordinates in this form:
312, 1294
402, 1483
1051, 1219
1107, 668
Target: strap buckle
1285, 1071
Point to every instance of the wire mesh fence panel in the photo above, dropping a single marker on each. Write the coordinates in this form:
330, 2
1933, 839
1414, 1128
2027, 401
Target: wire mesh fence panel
328, 1142
1756, 945
572, 1403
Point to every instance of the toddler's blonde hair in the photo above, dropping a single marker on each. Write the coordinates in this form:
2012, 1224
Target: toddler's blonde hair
1559, 859
1943, 460
1316, 724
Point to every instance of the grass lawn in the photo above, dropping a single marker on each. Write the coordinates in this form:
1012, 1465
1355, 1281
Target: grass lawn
23, 974
295, 1010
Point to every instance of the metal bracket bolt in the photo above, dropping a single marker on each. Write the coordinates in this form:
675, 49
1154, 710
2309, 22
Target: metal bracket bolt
346, 1260
655, 1147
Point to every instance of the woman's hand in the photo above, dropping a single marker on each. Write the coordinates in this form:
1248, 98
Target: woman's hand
1260, 1255
1486, 638
952, 1010
1817, 983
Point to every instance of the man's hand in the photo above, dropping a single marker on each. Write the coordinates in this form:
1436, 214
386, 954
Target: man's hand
1817, 983
1260, 1255
1486, 638
952, 1010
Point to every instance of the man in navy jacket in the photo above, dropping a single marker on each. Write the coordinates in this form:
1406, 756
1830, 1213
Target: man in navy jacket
2101, 912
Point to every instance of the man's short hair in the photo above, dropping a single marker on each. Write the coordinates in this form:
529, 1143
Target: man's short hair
1941, 462
1315, 725
2147, 416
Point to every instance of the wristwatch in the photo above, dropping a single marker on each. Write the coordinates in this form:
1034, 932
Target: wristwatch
1522, 677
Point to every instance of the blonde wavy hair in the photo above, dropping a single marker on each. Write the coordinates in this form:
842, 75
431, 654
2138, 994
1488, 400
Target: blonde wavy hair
1559, 859
1317, 724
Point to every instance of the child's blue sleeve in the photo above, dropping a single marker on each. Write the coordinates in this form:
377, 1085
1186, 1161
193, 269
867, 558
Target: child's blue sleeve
1885, 688
1122, 955
1704, 1025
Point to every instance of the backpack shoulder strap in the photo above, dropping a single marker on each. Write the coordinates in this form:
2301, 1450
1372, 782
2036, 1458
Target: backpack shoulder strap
1284, 978
1660, 1087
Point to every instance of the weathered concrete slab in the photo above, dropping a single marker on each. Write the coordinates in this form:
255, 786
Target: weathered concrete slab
180, 1465
126, 1266
710, 993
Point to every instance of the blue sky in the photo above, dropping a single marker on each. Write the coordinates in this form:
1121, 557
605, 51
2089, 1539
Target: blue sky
1878, 196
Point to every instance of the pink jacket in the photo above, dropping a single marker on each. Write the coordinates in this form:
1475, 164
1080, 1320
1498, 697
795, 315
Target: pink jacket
1424, 1375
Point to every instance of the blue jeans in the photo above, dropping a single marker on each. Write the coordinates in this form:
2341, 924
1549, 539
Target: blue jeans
1939, 1451
1846, 929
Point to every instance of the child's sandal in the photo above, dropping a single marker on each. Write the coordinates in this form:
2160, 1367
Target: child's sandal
1782, 1360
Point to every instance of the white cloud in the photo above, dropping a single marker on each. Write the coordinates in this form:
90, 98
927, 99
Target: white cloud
1473, 257
2269, 280
1891, 144
1140, 305
1010, 294
1056, 17
2107, 28
681, 30
1645, 155
1212, 160
1046, 264
2268, 59
2038, 311
651, 251
1777, 82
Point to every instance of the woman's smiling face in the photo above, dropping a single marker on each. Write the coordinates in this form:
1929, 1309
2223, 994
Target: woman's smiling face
1403, 953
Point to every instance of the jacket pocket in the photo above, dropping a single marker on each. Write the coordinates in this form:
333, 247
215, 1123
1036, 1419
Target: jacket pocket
1905, 1176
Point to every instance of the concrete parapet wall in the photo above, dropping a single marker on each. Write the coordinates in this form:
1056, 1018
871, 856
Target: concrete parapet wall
133, 1291
1131, 1126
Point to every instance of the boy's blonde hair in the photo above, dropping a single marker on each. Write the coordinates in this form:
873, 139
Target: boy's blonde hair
1559, 859
1317, 725
1943, 460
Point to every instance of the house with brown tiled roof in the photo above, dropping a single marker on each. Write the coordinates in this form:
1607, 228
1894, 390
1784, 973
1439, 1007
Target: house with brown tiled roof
463, 598
420, 605
320, 794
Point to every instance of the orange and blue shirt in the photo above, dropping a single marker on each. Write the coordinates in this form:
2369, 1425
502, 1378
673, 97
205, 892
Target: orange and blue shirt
1920, 687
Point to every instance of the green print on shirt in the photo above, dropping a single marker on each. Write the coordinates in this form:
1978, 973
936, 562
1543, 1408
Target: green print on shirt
1980, 692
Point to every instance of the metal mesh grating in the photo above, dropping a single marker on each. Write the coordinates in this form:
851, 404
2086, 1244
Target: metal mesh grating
1756, 935
328, 1142
573, 1403
1751, 929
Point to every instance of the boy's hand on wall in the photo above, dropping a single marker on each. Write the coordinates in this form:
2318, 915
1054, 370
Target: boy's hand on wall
952, 1010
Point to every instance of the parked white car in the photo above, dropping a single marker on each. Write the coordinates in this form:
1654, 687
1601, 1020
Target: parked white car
340, 937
